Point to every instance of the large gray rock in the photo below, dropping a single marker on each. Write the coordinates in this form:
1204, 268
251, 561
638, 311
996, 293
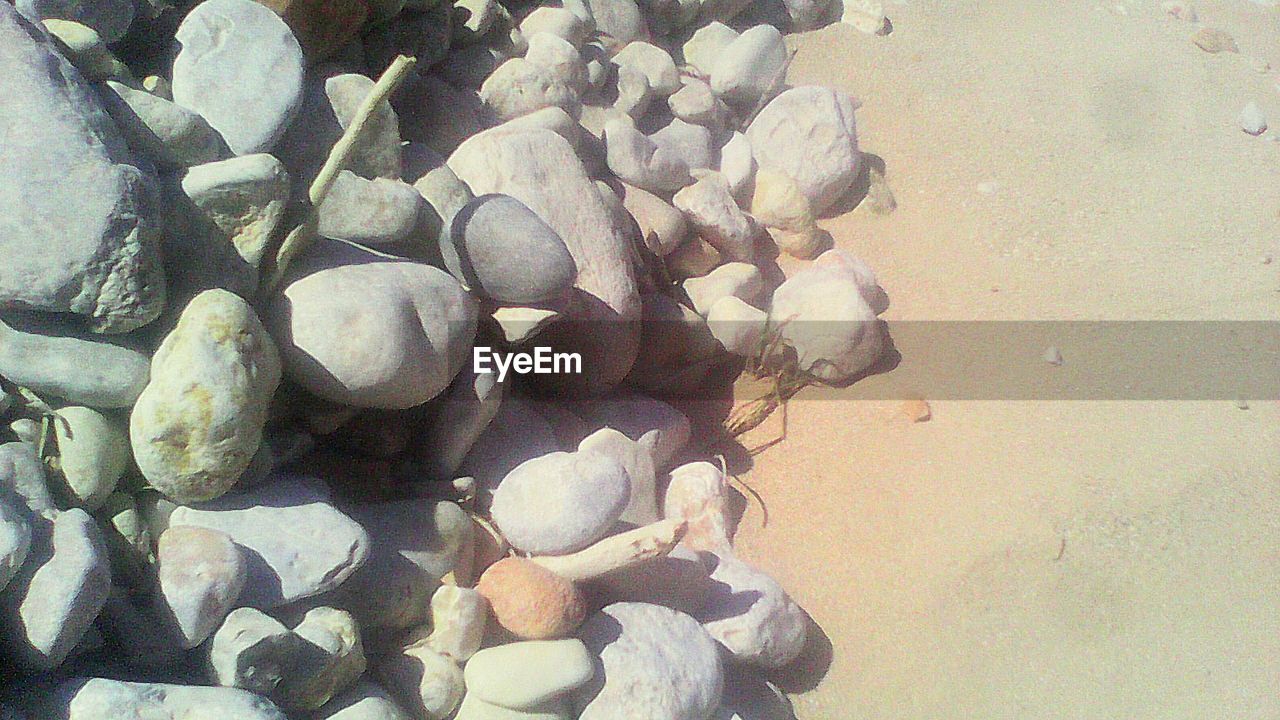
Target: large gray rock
297, 544
42, 354
539, 168
102, 699
503, 250
330, 105
201, 573
369, 330
78, 225
241, 68
808, 134
561, 502
655, 663
109, 18
199, 421
164, 132
52, 601
369, 212
750, 614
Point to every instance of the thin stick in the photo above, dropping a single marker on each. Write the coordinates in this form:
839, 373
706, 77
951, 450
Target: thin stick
301, 237
617, 552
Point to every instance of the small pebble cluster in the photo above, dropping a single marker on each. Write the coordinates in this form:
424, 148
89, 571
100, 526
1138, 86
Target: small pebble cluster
247, 247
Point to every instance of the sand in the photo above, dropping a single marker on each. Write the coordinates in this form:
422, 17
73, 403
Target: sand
1052, 159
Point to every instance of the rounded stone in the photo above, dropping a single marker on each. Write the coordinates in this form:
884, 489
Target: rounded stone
530, 601
93, 452
808, 134
822, 313
561, 502
201, 573
499, 247
524, 675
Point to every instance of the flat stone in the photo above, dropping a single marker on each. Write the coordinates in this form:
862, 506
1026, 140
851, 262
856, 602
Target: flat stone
751, 66
369, 330
503, 250
365, 701
162, 131
425, 682
93, 453
656, 663
296, 543
750, 614
561, 502
54, 598
370, 212
201, 574
102, 699
199, 421
530, 601
1214, 40
711, 208
50, 358
241, 68
109, 18
15, 541
78, 222
329, 106
525, 675
808, 134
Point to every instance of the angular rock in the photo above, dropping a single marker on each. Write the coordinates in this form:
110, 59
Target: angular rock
735, 279
561, 502
321, 26
711, 209
296, 543
638, 161
778, 202
109, 18
501, 249
808, 134
53, 599
458, 617
201, 573
329, 106
78, 224
100, 698
525, 675
520, 324
241, 68
15, 541
93, 453
656, 663
199, 421
365, 701
164, 132
825, 316
662, 226
333, 661
254, 651
425, 682
368, 330
698, 494
704, 48
539, 168
751, 66
530, 601
750, 614
865, 15
370, 212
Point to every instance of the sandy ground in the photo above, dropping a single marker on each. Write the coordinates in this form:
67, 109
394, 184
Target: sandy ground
1052, 159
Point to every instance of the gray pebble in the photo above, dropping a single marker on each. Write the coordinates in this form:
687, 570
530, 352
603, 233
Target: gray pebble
502, 249
561, 502
370, 212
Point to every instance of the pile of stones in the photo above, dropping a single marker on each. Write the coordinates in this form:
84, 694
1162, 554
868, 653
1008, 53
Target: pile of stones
241, 483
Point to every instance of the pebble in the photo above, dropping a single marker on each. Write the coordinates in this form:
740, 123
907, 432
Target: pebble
1252, 120
1212, 40
735, 279
637, 160
711, 209
917, 410
241, 68
296, 543
519, 87
93, 453
428, 684
110, 19
751, 67
525, 675
329, 105
661, 225
655, 663
159, 130
332, 662
370, 212
101, 698
823, 314
633, 95
808, 134
80, 220
500, 248
254, 651
696, 103
458, 617
686, 140
321, 26
201, 573
15, 541
864, 15
86, 49
704, 48
738, 166
365, 701
413, 544
620, 21
738, 326
530, 601
750, 614
199, 421
654, 63
369, 330
562, 502
51, 602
